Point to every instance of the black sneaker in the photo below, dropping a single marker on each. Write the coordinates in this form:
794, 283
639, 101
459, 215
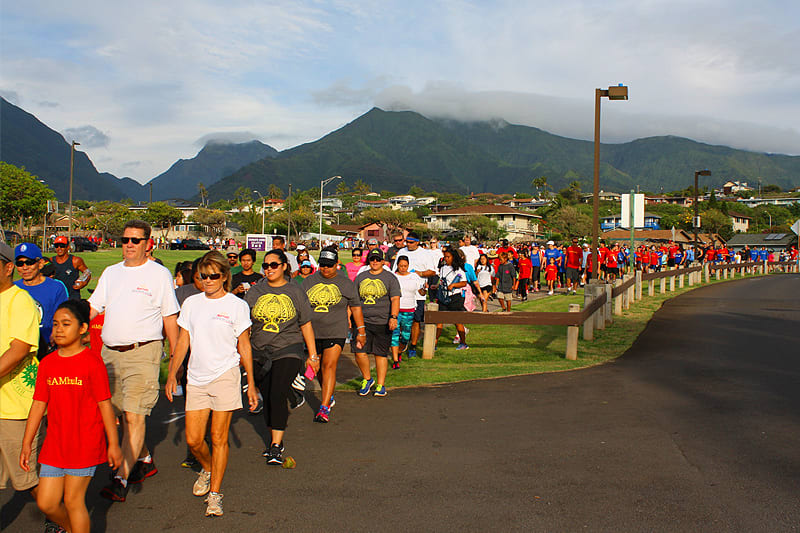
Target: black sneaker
265, 453
52, 527
275, 456
115, 491
142, 471
296, 398
190, 461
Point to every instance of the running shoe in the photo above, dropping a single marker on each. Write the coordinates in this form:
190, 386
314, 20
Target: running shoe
380, 391
275, 456
115, 491
366, 385
214, 501
190, 461
265, 453
203, 483
323, 415
296, 398
412, 353
142, 471
395, 365
463, 346
333, 402
52, 527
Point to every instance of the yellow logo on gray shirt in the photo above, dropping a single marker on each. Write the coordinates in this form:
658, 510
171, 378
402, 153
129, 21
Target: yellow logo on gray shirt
323, 295
273, 310
371, 290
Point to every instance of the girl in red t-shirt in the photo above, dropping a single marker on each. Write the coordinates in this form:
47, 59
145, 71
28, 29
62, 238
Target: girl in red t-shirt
551, 274
72, 386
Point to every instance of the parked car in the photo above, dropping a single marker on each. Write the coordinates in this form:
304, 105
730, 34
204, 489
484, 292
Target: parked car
188, 244
82, 244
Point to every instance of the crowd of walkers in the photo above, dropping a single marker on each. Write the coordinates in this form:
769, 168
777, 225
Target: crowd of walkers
235, 328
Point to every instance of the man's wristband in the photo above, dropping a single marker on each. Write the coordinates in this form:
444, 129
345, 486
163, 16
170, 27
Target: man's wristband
361, 327
392, 316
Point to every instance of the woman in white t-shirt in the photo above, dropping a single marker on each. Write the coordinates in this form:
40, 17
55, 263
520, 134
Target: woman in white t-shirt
410, 285
216, 325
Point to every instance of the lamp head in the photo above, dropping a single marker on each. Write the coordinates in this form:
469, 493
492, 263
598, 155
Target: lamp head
620, 92
705, 172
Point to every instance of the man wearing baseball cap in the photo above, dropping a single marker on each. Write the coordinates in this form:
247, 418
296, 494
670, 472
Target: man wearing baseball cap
47, 293
70, 269
232, 254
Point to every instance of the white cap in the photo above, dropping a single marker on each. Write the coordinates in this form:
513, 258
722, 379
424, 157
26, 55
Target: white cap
550, 242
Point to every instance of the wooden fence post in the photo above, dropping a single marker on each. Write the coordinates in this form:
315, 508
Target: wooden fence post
429, 343
706, 273
725, 272
599, 318
671, 283
588, 324
572, 335
651, 287
631, 292
637, 287
608, 314
663, 285
733, 273
681, 280
618, 299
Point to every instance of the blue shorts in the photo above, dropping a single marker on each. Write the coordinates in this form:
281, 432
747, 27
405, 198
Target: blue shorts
54, 471
419, 312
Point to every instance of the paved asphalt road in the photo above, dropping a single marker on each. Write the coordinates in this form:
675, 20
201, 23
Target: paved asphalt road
695, 428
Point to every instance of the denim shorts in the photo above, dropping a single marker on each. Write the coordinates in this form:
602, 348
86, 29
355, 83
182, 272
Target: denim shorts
54, 471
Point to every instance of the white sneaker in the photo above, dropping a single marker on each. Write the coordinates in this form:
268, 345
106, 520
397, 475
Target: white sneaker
457, 339
551, 292
203, 483
214, 501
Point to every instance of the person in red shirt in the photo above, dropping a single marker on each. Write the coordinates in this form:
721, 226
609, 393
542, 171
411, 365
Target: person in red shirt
574, 257
711, 254
602, 253
95, 330
525, 268
612, 264
72, 387
672, 250
550, 275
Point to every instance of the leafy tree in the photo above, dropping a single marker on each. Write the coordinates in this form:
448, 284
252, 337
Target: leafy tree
416, 191
571, 222
250, 220
303, 219
213, 219
162, 215
242, 197
22, 195
342, 188
394, 218
771, 188
481, 227
274, 192
540, 183
361, 188
222, 205
109, 217
715, 221
203, 192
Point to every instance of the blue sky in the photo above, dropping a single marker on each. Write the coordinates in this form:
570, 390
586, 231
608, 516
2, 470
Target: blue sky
139, 85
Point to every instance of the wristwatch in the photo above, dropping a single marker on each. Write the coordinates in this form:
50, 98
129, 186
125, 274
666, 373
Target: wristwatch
393, 316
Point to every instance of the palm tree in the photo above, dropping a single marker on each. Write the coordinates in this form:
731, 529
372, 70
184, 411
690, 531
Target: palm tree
540, 183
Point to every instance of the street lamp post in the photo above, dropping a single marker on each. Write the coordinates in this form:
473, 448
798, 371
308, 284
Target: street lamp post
263, 208
619, 92
322, 186
696, 220
71, 165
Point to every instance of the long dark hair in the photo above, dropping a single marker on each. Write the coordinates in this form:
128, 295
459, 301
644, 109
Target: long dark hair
284, 259
457, 261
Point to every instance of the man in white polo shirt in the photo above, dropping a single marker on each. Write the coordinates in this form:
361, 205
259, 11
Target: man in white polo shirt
471, 252
139, 302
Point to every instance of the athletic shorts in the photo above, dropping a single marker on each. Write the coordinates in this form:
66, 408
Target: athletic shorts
378, 342
614, 270
573, 274
456, 304
504, 296
11, 433
671, 262
222, 394
486, 288
402, 333
133, 377
324, 344
54, 471
536, 274
419, 312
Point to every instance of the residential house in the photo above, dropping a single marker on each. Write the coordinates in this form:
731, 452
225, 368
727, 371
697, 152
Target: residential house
401, 199
647, 236
520, 225
370, 204
603, 195
740, 222
771, 241
732, 187
683, 201
612, 222
753, 202
329, 203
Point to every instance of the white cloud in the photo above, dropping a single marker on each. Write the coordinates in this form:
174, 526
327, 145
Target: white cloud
88, 137
226, 137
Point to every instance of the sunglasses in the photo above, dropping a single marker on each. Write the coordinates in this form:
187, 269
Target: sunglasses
60, 245
399, 240
28, 262
371, 259
215, 276
134, 240
274, 265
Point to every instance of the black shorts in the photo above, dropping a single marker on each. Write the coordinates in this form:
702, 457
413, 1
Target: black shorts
536, 274
419, 312
486, 288
671, 262
573, 274
456, 304
324, 344
614, 270
378, 342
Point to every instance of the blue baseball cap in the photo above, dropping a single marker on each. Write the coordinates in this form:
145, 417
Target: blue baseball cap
29, 250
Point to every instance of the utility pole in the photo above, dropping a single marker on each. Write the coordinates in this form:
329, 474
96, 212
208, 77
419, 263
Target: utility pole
71, 165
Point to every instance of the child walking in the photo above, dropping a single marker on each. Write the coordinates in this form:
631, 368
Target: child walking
72, 387
551, 275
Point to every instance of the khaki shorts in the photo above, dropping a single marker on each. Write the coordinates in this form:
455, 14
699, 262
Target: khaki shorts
11, 432
133, 378
504, 296
222, 394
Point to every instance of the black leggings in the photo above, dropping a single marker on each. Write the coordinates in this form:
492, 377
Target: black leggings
274, 388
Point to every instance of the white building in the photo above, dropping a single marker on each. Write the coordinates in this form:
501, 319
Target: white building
520, 225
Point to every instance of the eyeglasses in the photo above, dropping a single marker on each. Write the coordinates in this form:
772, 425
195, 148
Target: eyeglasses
215, 276
24, 261
274, 265
134, 240
399, 240
60, 245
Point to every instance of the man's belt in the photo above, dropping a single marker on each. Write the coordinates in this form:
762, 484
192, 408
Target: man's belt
128, 347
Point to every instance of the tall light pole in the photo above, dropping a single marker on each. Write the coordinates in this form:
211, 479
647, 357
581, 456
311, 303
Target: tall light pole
71, 164
322, 186
263, 208
619, 92
696, 220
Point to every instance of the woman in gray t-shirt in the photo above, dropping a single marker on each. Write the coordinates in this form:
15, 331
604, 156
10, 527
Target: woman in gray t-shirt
281, 318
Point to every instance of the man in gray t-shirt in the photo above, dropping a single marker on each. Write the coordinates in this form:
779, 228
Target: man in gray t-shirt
376, 292
329, 299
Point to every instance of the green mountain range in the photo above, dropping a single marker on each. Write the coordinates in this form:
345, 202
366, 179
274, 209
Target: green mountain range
396, 150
